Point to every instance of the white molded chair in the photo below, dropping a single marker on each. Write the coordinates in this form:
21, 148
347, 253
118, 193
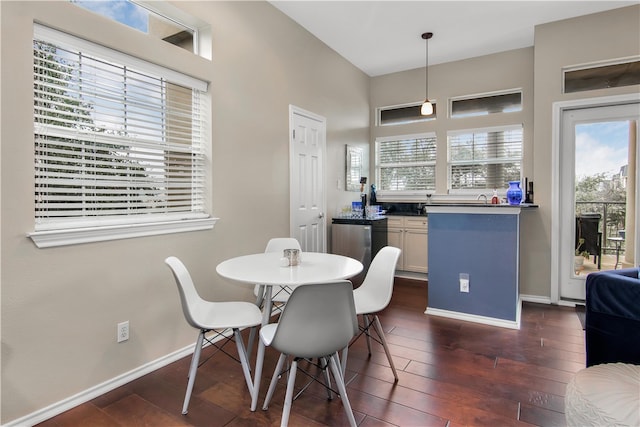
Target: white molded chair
317, 321
374, 295
280, 293
210, 316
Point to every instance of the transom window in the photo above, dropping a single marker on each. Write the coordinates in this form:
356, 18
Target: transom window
403, 114
148, 17
482, 105
406, 163
484, 159
117, 140
602, 76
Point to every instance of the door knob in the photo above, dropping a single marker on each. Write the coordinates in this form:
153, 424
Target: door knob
321, 215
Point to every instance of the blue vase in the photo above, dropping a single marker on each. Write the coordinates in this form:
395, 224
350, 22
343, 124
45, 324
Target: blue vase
514, 193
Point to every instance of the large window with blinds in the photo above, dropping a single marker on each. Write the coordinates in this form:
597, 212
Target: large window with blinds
484, 159
406, 163
118, 141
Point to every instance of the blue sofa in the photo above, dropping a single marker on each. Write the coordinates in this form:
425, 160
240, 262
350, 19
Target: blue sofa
612, 321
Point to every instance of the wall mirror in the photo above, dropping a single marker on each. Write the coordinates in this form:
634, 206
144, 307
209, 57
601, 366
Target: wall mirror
354, 168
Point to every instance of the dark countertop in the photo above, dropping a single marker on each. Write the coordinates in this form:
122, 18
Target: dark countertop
483, 205
359, 221
400, 213
414, 211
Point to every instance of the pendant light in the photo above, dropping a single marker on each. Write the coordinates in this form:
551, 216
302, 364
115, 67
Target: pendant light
427, 106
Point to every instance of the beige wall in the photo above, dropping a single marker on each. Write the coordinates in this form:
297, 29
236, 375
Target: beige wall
60, 306
501, 71
537, 70
598, 37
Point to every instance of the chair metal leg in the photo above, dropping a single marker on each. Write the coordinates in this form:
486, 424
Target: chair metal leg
195, 359
380, 332
286, 410
244, 361
267, 305
252, 338
260, 296
334, 363
257, 376
327, 378
274, 381
343, 361
254, 331
367, 326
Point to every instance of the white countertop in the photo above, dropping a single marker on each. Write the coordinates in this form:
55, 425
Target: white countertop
478, 208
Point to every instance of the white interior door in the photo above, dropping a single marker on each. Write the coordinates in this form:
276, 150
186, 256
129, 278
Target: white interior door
597, 155
308, 198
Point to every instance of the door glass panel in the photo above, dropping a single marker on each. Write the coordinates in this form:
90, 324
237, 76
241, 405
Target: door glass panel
597, 203
601, 185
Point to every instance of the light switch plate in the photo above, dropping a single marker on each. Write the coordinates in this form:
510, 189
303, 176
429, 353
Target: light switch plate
464, 282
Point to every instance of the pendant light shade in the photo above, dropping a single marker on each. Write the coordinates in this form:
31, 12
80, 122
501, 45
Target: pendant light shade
427, 106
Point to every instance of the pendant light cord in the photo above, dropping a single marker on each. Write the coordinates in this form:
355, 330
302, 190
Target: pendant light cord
426, 37
427, 107
426, 70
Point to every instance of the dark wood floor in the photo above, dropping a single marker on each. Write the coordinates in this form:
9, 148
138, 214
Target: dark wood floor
452, 373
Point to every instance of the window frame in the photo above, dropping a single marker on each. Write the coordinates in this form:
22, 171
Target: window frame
404, 194
418, 119
103, 227
450, 163
596, 67
161, 11
481, 96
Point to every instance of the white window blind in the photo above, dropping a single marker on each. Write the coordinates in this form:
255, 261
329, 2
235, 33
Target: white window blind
406, 163
117, 140
485, 159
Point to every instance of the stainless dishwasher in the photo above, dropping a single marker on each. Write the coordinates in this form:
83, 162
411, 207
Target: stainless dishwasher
358, 238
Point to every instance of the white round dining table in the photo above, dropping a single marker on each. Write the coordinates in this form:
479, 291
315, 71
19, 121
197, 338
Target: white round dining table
266, 269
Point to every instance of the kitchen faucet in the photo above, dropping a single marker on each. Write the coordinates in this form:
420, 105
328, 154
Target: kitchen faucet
481, 196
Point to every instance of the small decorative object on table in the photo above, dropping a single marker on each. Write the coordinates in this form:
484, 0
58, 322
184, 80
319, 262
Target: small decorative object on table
514, 193
293, 256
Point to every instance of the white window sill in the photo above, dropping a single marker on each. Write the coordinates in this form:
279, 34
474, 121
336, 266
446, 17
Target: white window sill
75, 236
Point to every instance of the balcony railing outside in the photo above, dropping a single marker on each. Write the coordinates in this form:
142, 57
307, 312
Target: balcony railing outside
612, 220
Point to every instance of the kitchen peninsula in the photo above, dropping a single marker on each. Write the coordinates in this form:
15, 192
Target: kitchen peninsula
474, 262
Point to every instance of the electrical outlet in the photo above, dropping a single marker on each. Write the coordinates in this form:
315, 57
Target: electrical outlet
464, 282
123, 331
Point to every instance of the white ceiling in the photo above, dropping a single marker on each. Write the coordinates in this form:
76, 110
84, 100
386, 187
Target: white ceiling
381, 37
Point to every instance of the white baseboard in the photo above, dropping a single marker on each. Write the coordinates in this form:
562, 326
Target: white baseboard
100, 389
492, 321
535, 298
411, 275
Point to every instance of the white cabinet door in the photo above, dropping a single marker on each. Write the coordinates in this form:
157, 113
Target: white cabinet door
415, 253
395, 238
410, 235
